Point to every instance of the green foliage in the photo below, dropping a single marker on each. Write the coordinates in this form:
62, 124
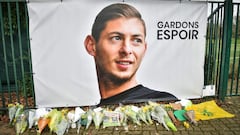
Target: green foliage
26, 85
10, 12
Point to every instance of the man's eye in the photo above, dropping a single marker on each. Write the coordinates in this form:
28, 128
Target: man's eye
137, 40
116, 38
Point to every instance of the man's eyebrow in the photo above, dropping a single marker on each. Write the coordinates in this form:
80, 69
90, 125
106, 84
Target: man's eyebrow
138, 35
115, 32
121, 34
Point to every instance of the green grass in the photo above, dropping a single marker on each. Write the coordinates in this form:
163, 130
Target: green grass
235, 48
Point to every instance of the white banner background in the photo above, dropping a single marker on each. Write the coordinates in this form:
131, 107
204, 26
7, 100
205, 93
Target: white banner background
64, 74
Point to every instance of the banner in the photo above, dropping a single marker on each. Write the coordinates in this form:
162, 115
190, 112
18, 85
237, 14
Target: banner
65, 74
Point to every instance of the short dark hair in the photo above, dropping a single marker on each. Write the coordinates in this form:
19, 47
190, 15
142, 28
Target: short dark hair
111, 12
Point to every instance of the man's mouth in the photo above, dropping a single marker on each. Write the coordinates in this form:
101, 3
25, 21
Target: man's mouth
124, 62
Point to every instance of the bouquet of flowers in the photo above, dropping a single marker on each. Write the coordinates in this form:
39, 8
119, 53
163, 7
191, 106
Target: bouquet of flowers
97, 115
131, 112
21, 123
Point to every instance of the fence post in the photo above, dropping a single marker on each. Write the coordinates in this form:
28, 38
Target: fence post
226, 48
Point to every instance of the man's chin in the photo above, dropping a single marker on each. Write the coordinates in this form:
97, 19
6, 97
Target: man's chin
122, 78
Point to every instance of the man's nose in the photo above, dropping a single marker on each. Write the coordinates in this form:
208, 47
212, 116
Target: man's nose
126, 48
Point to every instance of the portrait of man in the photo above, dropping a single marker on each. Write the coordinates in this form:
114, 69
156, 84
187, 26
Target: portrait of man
120, 52
118, 45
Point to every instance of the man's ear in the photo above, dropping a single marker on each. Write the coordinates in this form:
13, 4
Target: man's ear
90, 45
146, 46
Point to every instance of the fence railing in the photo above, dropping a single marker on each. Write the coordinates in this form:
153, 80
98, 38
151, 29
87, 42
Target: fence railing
16, 83
222, 59
222, 62
234, 69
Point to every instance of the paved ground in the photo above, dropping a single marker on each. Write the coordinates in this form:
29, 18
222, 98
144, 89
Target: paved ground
224, 126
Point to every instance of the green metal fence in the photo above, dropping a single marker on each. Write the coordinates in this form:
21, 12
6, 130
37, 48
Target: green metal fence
16, 83
222, 62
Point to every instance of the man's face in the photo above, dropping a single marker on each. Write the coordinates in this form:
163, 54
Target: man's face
120, 48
